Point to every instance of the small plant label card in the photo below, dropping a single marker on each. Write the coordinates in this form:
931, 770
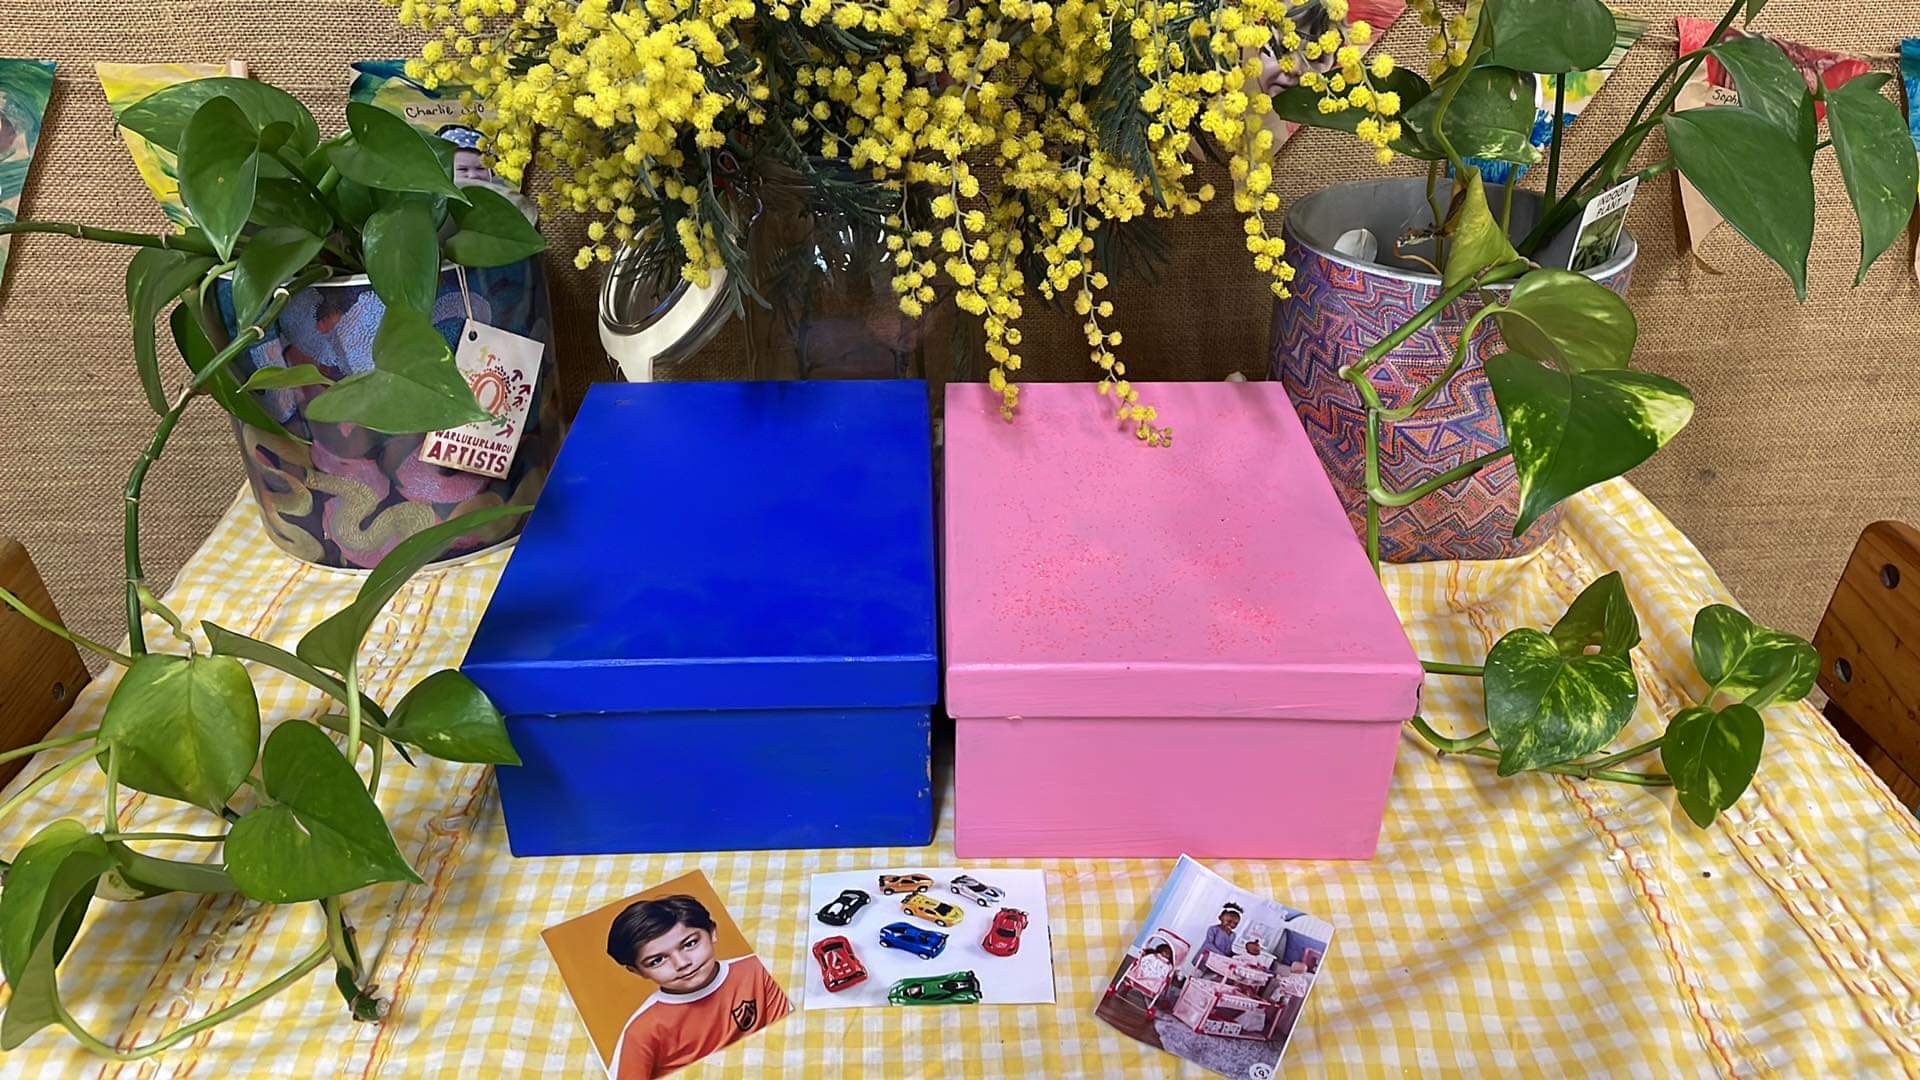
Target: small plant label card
1600, 225
501, 369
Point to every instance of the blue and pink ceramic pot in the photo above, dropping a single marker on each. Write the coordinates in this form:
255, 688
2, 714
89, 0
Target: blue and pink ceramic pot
1341, 306
349, 494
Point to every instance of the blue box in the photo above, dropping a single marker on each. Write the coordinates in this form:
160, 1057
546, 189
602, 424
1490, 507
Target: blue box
718, 631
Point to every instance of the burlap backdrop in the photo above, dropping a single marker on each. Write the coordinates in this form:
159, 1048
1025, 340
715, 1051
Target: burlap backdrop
1805, 430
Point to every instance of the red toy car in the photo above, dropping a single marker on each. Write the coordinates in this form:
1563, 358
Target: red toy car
839, 968
1003, 937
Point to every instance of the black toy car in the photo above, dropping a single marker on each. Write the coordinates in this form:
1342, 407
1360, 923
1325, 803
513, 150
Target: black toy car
841, 909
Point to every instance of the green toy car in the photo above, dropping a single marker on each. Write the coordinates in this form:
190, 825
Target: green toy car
959, 988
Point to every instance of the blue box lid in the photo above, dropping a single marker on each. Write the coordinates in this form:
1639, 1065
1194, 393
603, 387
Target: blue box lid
724, 546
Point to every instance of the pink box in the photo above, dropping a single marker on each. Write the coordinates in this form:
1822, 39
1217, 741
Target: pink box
1153, 652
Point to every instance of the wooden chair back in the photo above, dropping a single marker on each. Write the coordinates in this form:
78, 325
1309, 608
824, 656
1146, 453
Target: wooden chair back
40, 674
1869, 644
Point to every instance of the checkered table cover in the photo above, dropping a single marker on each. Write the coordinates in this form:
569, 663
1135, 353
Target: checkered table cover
1531, 924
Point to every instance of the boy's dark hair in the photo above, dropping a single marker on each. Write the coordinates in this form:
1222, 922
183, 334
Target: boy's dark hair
645, 920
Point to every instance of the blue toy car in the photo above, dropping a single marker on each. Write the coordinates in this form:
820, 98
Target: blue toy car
918, 940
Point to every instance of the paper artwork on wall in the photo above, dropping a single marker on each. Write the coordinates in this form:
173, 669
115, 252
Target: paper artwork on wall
1712, 85
1910, 81
1311, 20
25, 88
439, 112
126, 84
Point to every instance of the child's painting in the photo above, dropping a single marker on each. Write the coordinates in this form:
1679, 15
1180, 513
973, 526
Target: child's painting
663, 978
126, 84
25, 88
1312, 20
1910, 81
917, 936
1217, 975
440, 112
1581, 87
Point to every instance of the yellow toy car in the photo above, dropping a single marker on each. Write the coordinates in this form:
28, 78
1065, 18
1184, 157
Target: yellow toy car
937, 912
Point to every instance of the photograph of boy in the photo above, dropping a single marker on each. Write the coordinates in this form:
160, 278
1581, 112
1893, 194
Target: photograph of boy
703, 1002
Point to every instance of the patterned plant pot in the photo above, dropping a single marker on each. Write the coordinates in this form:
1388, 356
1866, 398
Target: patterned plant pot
349, 494
1341, 306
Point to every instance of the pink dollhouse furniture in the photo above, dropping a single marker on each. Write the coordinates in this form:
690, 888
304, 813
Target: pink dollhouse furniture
1152, 983
1152, 651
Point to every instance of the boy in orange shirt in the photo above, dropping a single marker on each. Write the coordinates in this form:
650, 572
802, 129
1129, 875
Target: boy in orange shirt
703, 1004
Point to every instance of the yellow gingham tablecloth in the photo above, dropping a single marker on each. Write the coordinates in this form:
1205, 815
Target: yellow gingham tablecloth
1532, 924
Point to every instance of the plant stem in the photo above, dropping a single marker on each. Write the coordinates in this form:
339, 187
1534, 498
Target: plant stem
186, 1031
1506, 204
1553, 141
337, 938
169, 241
1373, 508
135, 836
1426, 393
353, 707
112, 793
1630, 752
1433, 206
59, 631
1425, 315
1436, 667
130, 537
48, 744
1447, 745
37, 783
1665, 164
1585, 773
1377, 492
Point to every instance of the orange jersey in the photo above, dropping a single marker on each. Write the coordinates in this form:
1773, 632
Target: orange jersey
672, 1030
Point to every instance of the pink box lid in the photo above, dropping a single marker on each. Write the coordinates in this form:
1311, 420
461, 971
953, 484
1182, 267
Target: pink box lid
1088, 575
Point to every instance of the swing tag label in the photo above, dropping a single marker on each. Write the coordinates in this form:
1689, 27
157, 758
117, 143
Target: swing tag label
501, 369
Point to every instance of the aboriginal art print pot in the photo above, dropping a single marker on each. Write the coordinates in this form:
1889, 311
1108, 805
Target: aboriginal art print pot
1340, 306
347, 495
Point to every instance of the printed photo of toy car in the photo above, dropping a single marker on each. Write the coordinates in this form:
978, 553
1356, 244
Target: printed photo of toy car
1003, 937
977, 891
841, 909
839, 967
904, 883
937, 912
959, 988
918, 940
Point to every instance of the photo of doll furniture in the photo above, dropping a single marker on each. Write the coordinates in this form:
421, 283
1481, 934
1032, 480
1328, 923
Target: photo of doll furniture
1227, 998
1151, 980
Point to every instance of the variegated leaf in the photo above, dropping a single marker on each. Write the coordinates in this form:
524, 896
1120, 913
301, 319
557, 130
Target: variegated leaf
1711, 757
1601, 616
1546, 707
1569, 319
1735, 654
1572, 429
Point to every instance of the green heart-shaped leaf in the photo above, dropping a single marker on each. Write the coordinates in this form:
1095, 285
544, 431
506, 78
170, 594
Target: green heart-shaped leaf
1546, 707
321, 835
1737, 655
1711, 757
1876, 156
1601, 616
273, 256
492, 231
403, 255
224, 386
187, 728
286, 378
226, 642
1770, 85
1548, 36
1748, 168
333, 643
48, 889
155, 278
1572, 429
390, 154
1566, 318
450, 717
1753, 9
162, 116
413, 386
1491, 117
282, 201
1477, 240
219, 163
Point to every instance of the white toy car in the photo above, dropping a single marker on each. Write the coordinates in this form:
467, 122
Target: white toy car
977, 891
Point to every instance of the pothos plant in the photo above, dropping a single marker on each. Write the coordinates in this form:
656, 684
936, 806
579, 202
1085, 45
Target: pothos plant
291, 820
1574, 411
